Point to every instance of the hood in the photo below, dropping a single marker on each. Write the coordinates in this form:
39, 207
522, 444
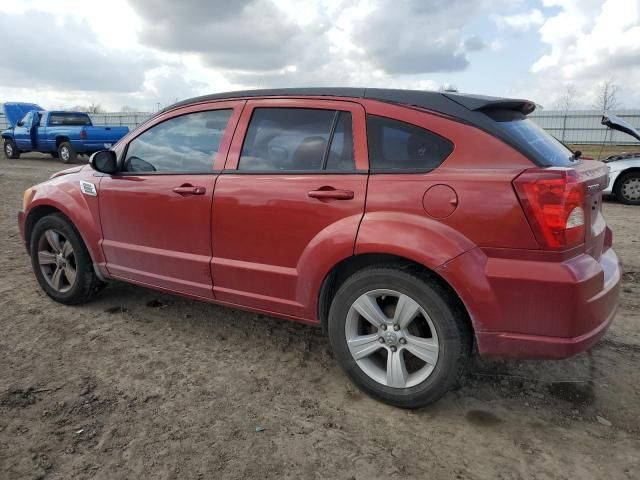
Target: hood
68, 171
14, 111
616, 123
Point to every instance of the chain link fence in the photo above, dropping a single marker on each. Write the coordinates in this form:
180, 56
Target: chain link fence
574, 127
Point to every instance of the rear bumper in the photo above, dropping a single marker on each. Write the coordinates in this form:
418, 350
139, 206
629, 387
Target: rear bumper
536, 309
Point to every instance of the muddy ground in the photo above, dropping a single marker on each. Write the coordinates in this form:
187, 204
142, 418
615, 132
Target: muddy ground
139, 384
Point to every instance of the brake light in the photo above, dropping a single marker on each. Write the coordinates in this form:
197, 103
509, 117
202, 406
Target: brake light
83, 134
553, 200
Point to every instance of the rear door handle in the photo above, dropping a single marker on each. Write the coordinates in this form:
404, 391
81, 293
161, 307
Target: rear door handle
189, 190
331, 194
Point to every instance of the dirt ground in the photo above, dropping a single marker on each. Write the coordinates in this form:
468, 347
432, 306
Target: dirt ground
139, 384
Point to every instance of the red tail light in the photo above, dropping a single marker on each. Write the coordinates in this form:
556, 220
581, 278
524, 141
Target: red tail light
553, 200
83, 134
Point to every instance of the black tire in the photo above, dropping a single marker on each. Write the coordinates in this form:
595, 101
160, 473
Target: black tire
86, 283
452, 330
10, 150
66, 153
622, 193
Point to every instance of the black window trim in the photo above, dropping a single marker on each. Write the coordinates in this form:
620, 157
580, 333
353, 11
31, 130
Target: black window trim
125, 150
325, 157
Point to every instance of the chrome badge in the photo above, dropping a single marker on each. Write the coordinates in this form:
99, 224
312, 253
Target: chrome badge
88, 188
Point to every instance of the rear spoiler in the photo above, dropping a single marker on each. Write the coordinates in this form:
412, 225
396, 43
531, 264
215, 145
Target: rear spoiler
482, 102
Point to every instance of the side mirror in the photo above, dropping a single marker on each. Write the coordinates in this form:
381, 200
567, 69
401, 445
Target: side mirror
104, 161
20, 123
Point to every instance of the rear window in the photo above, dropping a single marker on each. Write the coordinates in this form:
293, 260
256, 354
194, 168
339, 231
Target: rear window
69, 119
543, 145
396, 146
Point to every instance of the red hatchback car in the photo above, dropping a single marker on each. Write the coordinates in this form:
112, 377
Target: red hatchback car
414, 226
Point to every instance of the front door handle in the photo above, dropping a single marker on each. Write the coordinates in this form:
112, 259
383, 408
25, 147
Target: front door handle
189, 190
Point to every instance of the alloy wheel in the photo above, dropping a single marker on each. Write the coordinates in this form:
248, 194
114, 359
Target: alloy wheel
392, 338
8, 149
65, 154
57, 260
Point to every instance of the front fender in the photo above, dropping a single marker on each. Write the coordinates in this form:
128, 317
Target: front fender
418, 238
64, 194
7, 133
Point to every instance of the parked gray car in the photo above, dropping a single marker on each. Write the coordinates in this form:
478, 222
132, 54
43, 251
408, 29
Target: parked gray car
624, 170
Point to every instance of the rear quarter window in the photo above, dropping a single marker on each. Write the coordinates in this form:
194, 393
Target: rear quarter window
538, 144
396, 146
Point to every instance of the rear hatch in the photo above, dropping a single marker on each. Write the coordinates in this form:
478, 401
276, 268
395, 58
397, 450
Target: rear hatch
562, 198
594, 176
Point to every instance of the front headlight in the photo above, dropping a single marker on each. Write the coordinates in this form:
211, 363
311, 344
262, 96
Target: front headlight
26, 198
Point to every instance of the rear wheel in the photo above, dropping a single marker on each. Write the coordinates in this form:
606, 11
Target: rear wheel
66, 153
10, 149
627, 188
61, 262
398, 336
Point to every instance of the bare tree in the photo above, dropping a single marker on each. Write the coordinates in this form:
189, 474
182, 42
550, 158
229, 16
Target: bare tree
564, 104
93, 108
566, 101
127, 109
607, 96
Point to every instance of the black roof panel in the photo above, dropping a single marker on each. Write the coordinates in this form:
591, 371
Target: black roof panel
443, 102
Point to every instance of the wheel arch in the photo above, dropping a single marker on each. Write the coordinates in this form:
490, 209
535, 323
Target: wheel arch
36, 214
622, 173
350, 265
60, 139
83, 223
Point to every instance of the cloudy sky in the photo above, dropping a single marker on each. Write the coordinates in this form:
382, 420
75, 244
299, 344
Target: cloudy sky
140, 53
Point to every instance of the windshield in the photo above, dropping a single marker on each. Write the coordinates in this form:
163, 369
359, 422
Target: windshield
546, 146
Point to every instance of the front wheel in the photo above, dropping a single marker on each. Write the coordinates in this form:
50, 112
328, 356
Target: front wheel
627, 189
398, 336
61, 262
66, 153
10, 149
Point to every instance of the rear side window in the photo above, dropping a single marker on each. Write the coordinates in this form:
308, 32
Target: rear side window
298, 139
183, 144
69, 119
543, 146
397, 146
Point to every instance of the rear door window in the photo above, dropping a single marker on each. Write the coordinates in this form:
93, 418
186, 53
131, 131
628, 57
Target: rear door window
298, 139
396, 146
184, 144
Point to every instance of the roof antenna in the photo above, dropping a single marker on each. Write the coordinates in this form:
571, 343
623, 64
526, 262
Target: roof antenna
449, 88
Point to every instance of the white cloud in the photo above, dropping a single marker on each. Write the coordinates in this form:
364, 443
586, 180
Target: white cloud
140, 52
590, 41
520, 21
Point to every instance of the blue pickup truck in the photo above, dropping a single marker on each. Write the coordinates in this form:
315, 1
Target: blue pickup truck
64, 135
